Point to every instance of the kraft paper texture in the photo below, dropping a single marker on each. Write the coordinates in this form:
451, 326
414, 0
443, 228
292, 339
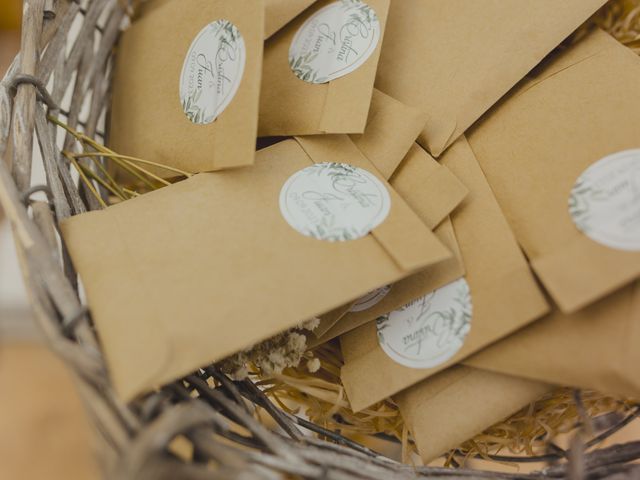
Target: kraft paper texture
585, 103
147, 118
595, 348
459, 403
290, 106
277, 13
189, 274
439, 56
504, 293
432, 191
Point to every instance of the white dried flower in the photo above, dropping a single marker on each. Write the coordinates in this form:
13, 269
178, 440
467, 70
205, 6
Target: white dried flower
273, 355
313, 365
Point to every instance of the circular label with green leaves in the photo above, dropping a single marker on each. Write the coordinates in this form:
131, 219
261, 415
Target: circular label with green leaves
212, 71
334, 41
605, 201
334, 201
430, 330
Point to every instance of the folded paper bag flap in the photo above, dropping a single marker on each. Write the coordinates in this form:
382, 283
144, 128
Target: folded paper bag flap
432, 191
348, 98
594, 348
277, 13
407, 250
148, 118
584, 271
481, 61
401, 292
429, 188
392, 128
595, 74
497, 304
436, 410
291, 106
504, 296
288, 106
192, 298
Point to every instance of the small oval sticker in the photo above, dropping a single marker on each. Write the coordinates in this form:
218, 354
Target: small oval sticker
334, 201
430, 330
334, 41
212, 71
370, 299
605, 201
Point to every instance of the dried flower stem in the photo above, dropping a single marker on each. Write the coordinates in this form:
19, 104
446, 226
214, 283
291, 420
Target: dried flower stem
130, 164
137, 160
87, 182
98, 179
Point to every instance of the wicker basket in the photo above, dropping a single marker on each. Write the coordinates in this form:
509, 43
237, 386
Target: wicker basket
228, 441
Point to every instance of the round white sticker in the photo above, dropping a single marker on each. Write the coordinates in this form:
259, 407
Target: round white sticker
605, 201
212, 71
430, 330
334, 201
370, 299
334, 41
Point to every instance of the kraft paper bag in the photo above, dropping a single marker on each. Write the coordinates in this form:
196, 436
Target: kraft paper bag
460, 403
391, 130
277, 13
442, 56
595, 348
319, 70
582, 235
497, 295
390, 297
246, 253
388, 142
428, 187
433, 192
280, 12
187, 83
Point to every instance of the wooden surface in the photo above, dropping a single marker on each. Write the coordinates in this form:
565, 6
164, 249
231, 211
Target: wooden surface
45, 433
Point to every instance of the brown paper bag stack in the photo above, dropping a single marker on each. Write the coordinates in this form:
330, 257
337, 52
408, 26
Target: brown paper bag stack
595, 346
574, 269
504, 297
204, 259
455, 59
429, 188
449, 226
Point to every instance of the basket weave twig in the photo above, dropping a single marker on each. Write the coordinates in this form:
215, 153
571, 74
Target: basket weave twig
67, 77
